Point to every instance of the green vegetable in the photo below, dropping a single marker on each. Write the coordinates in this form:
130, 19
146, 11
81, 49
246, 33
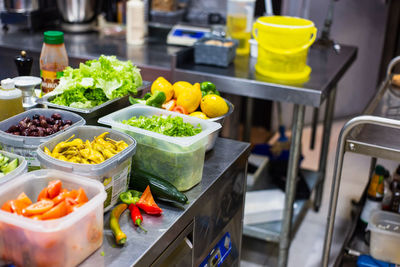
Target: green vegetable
6, 166
208, 88
160, 188
154, 100
97, 81
130, 196
102, 253
171, 126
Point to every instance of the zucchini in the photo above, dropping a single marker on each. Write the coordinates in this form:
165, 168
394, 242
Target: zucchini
159, 187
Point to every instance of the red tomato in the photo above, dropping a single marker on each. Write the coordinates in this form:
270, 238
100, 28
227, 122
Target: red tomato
71, 203
43, 194
39, 207
24, 199
180, 109
56, 212
169, 105
54, 188
18, 206
81, 198
7, 206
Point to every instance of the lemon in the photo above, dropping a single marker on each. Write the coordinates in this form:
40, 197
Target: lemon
180, 87
190, 98
161, 84
199, 114
213, 106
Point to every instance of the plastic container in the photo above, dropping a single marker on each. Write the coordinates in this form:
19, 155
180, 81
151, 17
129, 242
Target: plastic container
22, 167
283, 44
61, 242
179, 160
53, 60
385, 236
26, 145
216, 55
10, 99
114, 173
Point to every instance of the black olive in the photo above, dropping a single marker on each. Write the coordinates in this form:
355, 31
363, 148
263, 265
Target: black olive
34, 134
23, 124
16, 133
41, 133
41, 117
35, 117
33, 128
25, 132
56, 116
13, 128
68, 122
43, 123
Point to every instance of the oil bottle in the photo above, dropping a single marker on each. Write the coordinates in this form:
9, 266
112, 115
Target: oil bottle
10, 99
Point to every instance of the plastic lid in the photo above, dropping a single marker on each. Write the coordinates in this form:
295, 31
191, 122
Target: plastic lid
7, 84
379, 170
54, 37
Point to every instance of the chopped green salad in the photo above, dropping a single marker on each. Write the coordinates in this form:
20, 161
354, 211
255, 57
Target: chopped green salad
97, 81
171, 126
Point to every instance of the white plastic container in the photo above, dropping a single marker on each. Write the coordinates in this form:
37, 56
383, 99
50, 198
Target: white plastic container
385, 236
114, 173
22, 167
179, 160
61, 242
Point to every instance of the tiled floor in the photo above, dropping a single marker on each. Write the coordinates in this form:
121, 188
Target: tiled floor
306, 248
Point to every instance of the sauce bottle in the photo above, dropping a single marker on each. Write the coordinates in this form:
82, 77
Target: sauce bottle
53, 60
10, 99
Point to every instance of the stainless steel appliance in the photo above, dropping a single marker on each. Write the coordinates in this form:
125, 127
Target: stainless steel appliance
78, 15
21, 6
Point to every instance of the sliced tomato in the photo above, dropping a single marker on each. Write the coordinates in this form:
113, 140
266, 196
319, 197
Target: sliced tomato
54, 188
180, 109
71, 203
36, 217
56, 212
60, 197
43, 194
78, 206
39, 207
24, 199
72, 194
7, 206
18, 206
81, 198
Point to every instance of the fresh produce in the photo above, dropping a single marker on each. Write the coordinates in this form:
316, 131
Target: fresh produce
136, 217
97, 81
199, 114
53, 202
130, 197
213, 106
87, 152
171, 126
120, 237
161, 188
6, 166
39, 125
161, 84
147, 203
190, 98
180, 87
180, 109
155, 100
208, 88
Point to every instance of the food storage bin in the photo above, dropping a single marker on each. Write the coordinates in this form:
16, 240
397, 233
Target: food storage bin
385, 236
216, 55
179, 160
114, 173
22, 167
61, 242
91, 115
26, 145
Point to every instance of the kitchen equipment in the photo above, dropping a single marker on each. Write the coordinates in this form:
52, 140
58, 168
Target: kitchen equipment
239, 20
21, 6
179, 160
66, 241
212, 54
27, 85
78, 15
213, 137
186, 35
114, 173
283, 44
22, 167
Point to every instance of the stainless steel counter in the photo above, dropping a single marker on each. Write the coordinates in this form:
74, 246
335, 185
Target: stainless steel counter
216, 206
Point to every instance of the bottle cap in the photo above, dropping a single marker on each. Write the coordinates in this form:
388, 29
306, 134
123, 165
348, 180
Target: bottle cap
54, 37
7, 84
379, 170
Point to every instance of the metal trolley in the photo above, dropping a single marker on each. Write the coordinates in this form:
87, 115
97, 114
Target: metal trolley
374, 134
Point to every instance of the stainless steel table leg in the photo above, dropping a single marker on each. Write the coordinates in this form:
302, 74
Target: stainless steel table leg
323, 158
249, 118
290, 190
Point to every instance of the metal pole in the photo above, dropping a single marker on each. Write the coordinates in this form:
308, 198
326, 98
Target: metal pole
338, 170
249, 118
326, 136
314, 127
290, 190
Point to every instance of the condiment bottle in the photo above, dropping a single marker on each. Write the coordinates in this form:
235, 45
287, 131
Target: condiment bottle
10, 99
135, 22
53, 60
24, 64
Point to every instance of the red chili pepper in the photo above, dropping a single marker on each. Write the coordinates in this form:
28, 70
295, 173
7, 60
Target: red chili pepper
180, 109
147, 203
169, 105
136, 216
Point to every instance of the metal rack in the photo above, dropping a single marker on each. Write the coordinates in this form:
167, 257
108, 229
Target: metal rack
374, 134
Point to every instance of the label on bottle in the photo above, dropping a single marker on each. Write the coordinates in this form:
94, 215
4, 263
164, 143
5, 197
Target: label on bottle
369, 207
376, 186
50, 80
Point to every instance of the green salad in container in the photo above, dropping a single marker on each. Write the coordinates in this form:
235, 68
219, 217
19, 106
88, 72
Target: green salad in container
97, 81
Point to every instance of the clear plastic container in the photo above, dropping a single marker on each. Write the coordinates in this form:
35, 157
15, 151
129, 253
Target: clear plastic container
26, 145
179, 160
114, 173
22, 167
385, 236
61, 242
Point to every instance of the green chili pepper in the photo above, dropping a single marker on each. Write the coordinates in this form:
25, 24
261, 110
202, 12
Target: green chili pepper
208, 88
157, 99
130, 196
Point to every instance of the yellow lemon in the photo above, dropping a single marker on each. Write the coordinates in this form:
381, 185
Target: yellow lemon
190, 99
199, 114
213, 106
161, 84
180, 87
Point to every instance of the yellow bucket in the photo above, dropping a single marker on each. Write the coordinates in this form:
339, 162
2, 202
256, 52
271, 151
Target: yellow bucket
283, 44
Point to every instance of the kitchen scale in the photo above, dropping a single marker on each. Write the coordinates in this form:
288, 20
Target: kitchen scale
186, 35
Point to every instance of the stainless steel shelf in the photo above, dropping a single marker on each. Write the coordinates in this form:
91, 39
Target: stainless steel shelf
271, 231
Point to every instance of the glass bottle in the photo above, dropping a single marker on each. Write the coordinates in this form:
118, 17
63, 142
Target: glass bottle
10, 99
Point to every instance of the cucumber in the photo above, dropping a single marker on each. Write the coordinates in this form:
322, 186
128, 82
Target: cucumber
10, 166
159, 187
